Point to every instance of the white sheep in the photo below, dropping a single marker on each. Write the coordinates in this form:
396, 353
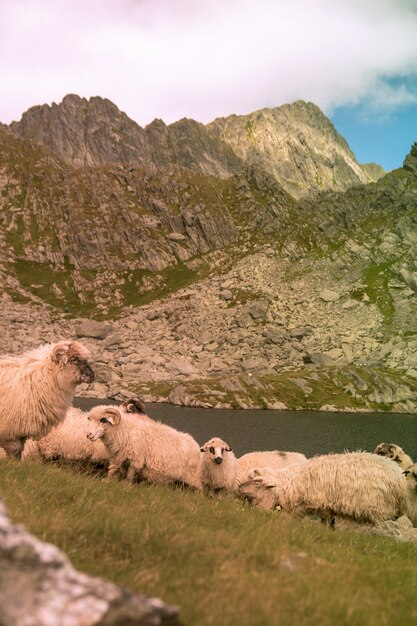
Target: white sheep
221, 470
218, 466
394, 452
68, 441
275, 459
411, 480
356, 485
37, 389
151, 450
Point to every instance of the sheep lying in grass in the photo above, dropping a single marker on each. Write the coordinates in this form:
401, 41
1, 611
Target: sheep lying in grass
356, 485
394, 452
69, 440
221, 470
151, 450
272, 458
37, 389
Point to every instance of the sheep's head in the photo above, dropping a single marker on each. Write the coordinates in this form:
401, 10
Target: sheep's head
411, 474
389, 450
100, 420
216, 449
134, 405
71, 357
259, 490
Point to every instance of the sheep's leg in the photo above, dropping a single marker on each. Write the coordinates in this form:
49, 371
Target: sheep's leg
113, 470
131, 474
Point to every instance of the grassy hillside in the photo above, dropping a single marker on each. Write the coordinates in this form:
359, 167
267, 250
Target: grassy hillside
222, 562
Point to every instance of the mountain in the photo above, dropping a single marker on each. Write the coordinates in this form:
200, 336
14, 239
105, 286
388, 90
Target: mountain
212, 289
294, 143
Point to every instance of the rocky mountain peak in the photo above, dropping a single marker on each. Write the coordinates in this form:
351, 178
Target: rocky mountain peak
295, 143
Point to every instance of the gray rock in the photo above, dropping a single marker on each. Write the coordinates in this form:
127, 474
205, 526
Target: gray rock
258, 310
317, 358
40, 587
329, 296
91, 328
176, 237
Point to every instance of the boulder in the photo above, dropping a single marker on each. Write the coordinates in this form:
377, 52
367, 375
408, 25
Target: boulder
40, 587
329, 296
91, 328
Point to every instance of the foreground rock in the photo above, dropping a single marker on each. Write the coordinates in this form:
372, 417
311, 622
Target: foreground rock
39, 587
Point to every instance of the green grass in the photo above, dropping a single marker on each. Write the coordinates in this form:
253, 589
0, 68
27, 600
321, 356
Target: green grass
223, 563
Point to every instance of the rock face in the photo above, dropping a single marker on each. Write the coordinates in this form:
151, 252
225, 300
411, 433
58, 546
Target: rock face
39, 587
410, 162
295, 143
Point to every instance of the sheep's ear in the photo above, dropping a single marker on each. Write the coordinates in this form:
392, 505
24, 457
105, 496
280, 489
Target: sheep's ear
202, 449
113, 416
60, 353
228, 449
407, 472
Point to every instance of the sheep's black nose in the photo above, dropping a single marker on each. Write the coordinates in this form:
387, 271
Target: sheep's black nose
218, 460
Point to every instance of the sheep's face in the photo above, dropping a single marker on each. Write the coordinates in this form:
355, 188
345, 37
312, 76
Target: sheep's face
101, 421
389, 450
411, 474
134, 405
259, 493
72, 359
215, 450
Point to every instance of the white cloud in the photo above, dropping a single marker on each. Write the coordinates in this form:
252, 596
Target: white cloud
184, 58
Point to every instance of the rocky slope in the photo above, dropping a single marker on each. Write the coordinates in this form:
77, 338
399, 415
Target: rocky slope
294, 143
209, 291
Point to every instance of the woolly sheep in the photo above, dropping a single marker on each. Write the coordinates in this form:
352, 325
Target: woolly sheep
275, 459
218, 466
152, 451
69, 439
358, 485
411, 480
394, 452
37, 390
220, 470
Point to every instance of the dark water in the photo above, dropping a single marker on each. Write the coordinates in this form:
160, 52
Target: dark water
310, 432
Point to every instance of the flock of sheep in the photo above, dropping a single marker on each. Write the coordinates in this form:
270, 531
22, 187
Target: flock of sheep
38, 421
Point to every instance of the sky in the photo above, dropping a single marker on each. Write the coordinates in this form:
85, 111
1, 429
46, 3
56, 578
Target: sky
169, 59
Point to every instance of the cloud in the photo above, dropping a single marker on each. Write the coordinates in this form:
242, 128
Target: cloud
181, 58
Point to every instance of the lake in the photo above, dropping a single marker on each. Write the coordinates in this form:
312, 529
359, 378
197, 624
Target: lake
310, 432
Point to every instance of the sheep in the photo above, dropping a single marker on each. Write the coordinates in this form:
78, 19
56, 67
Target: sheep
218, 466
394, 452
272, 458
221, 470
411, 480
37, 390
151, 450
134, 405
357, 485
69, 440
